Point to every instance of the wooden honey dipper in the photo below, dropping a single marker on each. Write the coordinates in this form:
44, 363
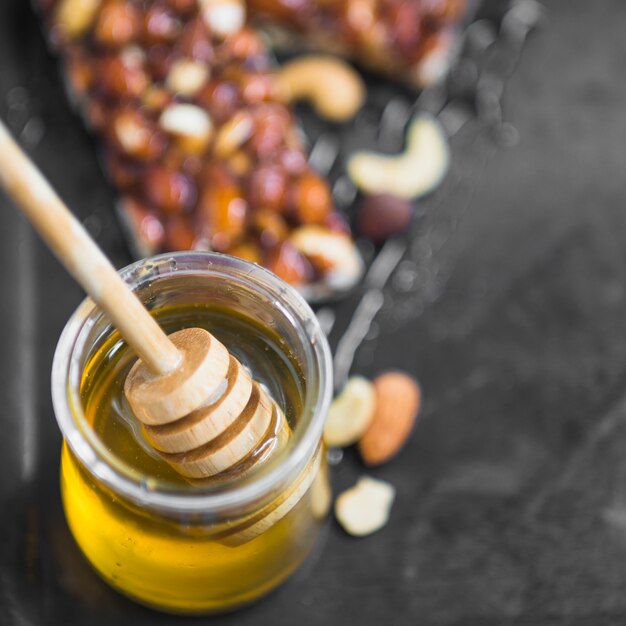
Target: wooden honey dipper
200, 408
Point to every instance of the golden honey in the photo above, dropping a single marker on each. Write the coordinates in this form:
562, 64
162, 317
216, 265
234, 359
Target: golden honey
185, 559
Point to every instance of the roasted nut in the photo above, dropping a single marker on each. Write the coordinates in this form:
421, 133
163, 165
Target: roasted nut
169, 190
266, 188
135, 135
190, 125
398, 400
350, 413
156, 98
179, 234
183, 7
239, 163
289, 264
233, 134
364, 509
74, 17
145, 225
195, 42
272, 122
247, 250
333, 254
257, 87
244, 45
123, 172
292, 160
187, 76
117, 24
122, 76
220, 98
79, 72
413, 173
271, 227
160, 25
380, 216
333, 87
224, 17
223, 209
310, 198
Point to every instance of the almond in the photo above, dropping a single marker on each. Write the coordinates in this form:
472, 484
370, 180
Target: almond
398, 400
364, 508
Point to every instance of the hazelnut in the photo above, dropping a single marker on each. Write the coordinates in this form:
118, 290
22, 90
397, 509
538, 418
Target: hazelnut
222, 207
292, 160
221, 98
271, 227
179, 234
117, 24
266, 188
244, 45
195, 42
289, 264
239, 163
380, 216
184, 7
272, 121
257, 87
79, 72
121, 76
146, 226
310, 198
156, 98
160, 25
122, 172
247, 250
135, 135
169, 190
159, 61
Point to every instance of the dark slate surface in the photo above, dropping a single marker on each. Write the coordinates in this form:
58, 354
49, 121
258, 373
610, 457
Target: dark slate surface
510, 309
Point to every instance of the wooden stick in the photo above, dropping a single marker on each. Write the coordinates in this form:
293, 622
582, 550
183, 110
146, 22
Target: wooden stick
67, 238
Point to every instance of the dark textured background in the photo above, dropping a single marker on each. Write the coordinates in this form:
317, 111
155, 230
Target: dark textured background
511, 503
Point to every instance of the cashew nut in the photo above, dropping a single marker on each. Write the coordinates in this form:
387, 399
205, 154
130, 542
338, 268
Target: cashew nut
413, 173
334, 88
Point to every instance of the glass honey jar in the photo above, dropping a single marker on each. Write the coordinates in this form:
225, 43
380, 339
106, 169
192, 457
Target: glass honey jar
174, 544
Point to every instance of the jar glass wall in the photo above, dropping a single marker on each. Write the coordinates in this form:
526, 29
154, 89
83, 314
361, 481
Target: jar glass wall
207, 545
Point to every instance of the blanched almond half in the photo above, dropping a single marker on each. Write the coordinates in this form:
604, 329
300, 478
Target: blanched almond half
187, 76
224, 17
190, 125
364, 508
350, 413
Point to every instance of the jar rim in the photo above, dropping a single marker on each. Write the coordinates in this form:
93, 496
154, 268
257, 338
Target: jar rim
118, 476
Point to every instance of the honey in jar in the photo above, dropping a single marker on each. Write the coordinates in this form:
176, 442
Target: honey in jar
168, 542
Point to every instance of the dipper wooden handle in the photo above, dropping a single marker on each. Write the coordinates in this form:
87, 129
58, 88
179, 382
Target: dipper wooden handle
200, 408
